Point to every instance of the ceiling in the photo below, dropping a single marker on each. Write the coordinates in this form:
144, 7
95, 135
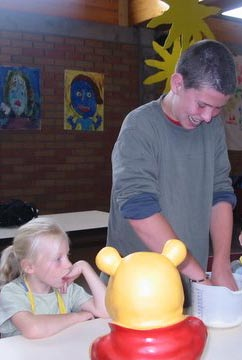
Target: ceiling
224, 4
140, 11
119, 12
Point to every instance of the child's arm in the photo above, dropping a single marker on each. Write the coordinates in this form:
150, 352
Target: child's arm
39, 326
96, 305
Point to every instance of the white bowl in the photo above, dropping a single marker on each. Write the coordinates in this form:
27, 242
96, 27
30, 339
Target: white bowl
217, 306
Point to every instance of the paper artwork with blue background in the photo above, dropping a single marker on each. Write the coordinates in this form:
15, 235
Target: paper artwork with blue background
83, 101
19, 98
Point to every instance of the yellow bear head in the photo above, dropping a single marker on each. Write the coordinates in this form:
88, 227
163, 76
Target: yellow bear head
144, 289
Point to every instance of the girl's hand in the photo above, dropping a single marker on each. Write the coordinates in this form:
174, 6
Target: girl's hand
73, 274
68, 279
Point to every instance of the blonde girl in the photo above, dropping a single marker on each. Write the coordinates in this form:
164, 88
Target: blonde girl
38, 297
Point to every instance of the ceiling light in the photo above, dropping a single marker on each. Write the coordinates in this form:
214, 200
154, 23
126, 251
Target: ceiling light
234, 13
164, 6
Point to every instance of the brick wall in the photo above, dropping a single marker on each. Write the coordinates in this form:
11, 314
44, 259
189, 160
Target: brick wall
66, 170
71, 170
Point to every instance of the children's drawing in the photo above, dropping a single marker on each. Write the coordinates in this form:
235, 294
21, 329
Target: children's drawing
233, 112
83, 101
19, 98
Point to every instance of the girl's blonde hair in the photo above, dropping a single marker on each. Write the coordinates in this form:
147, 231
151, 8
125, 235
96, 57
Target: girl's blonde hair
26, 245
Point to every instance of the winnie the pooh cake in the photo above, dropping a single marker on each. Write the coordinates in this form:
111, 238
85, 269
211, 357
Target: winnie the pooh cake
144, 299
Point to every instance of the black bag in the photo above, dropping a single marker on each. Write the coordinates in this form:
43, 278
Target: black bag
16, 212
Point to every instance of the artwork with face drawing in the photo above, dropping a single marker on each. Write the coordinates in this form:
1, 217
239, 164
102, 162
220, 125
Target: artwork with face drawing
233, 112
83, 101
19, 98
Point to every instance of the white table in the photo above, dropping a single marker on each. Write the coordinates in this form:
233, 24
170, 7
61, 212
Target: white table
74, 343
72, 221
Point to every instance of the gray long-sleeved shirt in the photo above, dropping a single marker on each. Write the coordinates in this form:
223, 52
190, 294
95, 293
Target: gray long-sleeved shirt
159, 166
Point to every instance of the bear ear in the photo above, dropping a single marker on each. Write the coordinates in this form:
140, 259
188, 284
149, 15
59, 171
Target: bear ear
108, 259
175, 251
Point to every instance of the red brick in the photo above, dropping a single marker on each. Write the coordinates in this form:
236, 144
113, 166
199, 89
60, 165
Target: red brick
55, 168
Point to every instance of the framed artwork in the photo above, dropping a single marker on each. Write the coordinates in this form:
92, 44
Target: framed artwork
19, 98
233, 112
83, 101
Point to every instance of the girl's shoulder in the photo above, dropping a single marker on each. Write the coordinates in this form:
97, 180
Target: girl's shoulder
14, 285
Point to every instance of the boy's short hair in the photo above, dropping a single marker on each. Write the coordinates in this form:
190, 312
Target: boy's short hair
208, 63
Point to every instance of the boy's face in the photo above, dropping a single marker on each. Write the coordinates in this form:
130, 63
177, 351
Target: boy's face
195, 106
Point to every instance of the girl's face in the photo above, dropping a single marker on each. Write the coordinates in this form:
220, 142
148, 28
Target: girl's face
51, 264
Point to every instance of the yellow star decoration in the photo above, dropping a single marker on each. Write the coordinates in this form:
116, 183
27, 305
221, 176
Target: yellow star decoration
186, 17
187, 26
166, 67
